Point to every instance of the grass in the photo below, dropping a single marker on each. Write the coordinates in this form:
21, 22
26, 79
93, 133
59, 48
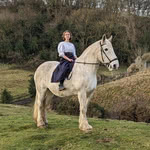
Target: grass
15, 80
18, 132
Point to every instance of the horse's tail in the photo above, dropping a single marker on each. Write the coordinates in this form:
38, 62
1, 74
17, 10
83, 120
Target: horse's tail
35, 112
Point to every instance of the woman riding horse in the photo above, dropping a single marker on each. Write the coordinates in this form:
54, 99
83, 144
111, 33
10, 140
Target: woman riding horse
82, 82
67, 52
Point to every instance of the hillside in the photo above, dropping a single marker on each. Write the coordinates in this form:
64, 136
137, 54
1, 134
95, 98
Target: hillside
126, 95
127, 98
18, 132
15, 80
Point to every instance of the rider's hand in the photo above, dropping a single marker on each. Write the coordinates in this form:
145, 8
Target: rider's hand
71, 60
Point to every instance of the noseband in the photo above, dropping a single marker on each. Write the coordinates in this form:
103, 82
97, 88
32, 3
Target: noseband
102, 52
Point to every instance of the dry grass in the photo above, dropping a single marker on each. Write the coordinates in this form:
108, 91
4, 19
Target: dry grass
126, 88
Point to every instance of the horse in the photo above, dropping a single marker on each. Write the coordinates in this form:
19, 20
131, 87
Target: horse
82, 83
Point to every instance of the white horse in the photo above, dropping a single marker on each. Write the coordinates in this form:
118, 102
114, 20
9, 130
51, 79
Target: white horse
82, 83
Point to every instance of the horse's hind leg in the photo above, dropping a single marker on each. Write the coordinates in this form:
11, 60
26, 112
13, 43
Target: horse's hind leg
46, 107
83, 122
35, 113
40, 107
44, 112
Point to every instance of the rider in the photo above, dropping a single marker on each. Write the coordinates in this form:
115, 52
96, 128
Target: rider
67, 54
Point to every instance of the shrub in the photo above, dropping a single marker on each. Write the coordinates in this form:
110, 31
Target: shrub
45, 55
134, 109
31, 88
71, 107
94, 110
6, 97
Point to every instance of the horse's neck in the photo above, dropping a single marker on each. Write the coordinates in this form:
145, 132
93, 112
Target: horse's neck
90, 56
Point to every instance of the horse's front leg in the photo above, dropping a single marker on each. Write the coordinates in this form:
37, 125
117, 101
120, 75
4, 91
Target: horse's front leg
83, 122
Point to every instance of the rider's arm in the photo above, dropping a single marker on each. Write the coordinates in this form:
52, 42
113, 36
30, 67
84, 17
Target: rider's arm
65, 57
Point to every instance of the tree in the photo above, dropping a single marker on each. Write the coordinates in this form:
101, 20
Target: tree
6, 97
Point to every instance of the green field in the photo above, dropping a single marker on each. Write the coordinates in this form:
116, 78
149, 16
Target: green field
15, 80
18, 132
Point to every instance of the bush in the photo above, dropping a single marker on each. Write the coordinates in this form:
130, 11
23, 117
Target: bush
134, 109
6, 97
31, 88
94, 110
71, 107
45, 55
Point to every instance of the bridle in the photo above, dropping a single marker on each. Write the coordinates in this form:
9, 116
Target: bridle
102, 52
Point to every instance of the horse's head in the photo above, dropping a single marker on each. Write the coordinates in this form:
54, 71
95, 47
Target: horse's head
107, 55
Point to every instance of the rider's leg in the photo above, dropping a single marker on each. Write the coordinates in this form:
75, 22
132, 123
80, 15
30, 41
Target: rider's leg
61, 86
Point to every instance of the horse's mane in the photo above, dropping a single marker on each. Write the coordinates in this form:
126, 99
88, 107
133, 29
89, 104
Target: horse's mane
90, 48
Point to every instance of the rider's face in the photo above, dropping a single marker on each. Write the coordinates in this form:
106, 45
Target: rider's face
67, 36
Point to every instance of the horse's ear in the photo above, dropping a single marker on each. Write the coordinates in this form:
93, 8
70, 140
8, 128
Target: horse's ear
103, 38
110, 39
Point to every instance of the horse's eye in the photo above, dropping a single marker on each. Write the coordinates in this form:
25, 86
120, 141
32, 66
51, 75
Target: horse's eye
106, 49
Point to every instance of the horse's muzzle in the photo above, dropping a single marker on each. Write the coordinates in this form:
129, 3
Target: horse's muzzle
114, 65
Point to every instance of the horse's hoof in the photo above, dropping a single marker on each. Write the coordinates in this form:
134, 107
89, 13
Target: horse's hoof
42, 126
86, 129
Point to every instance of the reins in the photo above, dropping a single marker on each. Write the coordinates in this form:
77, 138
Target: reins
90, 63
87, 63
